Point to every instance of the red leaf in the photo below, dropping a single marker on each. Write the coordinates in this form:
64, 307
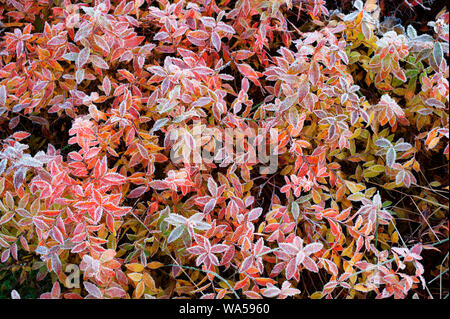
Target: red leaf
240, 284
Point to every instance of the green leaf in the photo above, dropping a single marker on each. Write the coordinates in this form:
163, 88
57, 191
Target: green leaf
386, 204
295, 209
303, 199
438, 55
411, 32
377, 168
391, 156
176, 233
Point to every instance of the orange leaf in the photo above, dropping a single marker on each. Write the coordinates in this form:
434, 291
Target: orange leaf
155, 265
135, 267
264, 281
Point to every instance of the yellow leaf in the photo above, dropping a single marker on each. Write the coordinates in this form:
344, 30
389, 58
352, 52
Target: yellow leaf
362, 288
139, 290
261, 227
390, 185
394, 237
135, 276
377, 168
348, 251
356, 197
316, 196
149, 282
135, 267
353, 187
369, 174
369, 192
317, 295
356, 133
43, 54
56, 65
433, 142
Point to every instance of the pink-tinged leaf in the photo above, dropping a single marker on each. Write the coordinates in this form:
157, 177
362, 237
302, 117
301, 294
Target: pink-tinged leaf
101, 43
416, 249
14, 122
86, 205
212, 186
2, 95
115, 292
243, 54
19, 177
246, 264
254, 214
209, 206
228, 256
198, 35
134, 41
57, 40
288, 248
114, 179
189, 140
433, 102
92, 289
56, 290
225, 27
202, 101
137, 192
106, 85
219, 248
143, 151
15, 294
5, 255
82, 57
57, 235
92, 152
196, 250
100, 168
159, 185
19, 48
79, 76
99, 62
312, 248
291, 269
39, 223
247, 70
46, 295
24, 243
216, 41
83, 32
314, 73
310, 264
270, 292
331, 266
6, 217
161, 36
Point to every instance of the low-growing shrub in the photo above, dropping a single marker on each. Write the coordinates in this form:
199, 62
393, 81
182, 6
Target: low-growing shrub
223, 149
